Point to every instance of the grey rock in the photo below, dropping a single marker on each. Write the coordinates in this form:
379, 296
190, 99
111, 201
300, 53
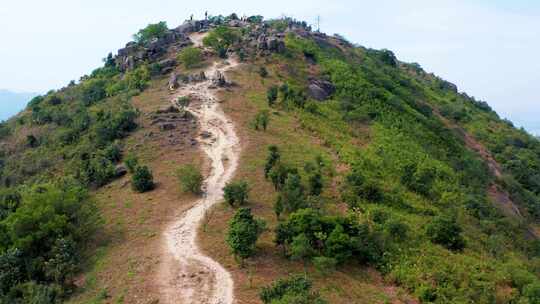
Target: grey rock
320, 89
120, 171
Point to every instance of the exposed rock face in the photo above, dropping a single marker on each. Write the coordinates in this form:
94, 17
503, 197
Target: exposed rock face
193, 26
219, 79
320, 89
272, 43
135, 53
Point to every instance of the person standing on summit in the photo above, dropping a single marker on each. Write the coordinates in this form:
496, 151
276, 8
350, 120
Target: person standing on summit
206, 15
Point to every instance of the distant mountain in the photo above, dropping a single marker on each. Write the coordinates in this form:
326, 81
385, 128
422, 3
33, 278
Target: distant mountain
13, 102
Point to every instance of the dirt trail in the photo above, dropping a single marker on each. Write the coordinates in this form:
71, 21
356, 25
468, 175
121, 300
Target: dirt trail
187, 275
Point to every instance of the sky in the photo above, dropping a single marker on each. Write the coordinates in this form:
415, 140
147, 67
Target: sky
488, 48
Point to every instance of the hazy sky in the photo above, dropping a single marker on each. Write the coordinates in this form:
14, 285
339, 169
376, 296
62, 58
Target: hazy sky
488, 48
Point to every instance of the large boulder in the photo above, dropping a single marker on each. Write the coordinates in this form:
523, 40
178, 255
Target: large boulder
320, 89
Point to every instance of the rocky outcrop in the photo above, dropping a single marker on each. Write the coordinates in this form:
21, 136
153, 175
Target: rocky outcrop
193, 26
219, 79
134, 53
320, 89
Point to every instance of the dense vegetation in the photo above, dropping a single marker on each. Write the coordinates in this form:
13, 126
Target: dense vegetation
417, 194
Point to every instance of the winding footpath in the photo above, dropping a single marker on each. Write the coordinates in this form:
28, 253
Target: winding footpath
190, 276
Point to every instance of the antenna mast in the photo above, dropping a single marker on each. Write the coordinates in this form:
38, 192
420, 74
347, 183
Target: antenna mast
318, 23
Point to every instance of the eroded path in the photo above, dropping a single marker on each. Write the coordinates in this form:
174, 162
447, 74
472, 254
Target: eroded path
189, 276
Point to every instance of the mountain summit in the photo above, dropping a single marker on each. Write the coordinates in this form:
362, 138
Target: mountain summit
243, 160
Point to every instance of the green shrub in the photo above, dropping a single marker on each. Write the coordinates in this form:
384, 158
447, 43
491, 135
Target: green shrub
271, 95
153, 30
190, 178
142, 179
220, 39
263, 72
236, 192
294, 289
271, 160
131, 162
445, 230
261, 120
190, 57
92, 91
324, 265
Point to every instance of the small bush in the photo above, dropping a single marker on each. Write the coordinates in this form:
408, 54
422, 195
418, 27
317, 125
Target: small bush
444, 230
271, 95
261, 120
324, 264
236, 193
190, 57
131, 162
190, 179
263, 72
294, 289
153, 30
142, 179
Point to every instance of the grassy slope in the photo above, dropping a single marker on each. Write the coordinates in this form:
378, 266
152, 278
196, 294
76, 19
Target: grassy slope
290, 131
124, 263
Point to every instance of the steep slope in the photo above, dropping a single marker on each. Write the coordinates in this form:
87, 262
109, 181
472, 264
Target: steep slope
379, 181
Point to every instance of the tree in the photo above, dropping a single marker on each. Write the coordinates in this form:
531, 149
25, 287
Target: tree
190, 57
301, 248
220, 39
271, 95
244, 230
445, 230
278, 174
190, 178
272, 158
153, 30
236, 192
339, 245
142, 179
62, 264
292, 195
315, 184
261, 120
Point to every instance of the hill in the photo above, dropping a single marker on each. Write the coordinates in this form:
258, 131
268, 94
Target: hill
213, 161
13, 102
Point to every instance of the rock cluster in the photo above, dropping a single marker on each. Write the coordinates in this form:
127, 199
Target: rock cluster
173, 40
320, 89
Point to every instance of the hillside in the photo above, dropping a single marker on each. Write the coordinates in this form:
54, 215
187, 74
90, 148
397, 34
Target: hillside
251, 161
